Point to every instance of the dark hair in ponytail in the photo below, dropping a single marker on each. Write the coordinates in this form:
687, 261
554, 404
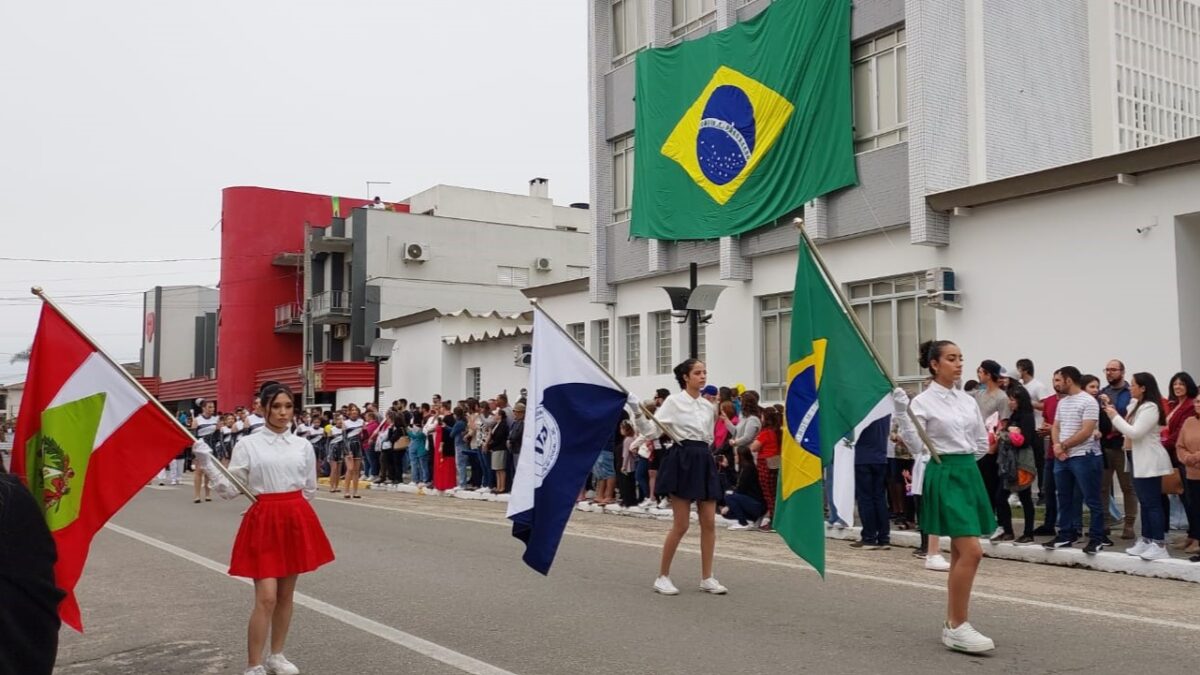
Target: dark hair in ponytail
931, 351
270, 390
682, 370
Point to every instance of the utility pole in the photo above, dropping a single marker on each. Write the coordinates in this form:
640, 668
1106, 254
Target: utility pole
306, 368
693, 316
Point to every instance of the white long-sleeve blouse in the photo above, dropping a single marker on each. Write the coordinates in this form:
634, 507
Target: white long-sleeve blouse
267, 463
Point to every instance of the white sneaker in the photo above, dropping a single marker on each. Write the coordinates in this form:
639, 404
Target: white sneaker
966, 639
736, 526
711, 585
937, 563
277, 664
256, 670
1155, 552
1139, 548
664, 586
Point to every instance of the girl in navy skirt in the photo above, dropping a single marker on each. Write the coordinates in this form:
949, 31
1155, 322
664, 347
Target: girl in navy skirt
280, 536
688, 473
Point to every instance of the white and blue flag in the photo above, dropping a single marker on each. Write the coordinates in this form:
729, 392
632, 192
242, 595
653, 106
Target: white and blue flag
573, 408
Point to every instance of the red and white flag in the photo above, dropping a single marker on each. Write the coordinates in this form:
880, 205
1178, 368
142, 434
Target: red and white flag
88, 438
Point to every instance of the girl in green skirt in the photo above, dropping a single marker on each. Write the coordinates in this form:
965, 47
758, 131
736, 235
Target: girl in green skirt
954, 501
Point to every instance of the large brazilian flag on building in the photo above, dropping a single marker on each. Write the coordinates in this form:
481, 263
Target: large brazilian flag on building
736, 129
835, 389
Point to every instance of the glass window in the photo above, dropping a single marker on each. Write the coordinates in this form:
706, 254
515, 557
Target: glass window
631, 328
776, 318
622, 177
880, 91
512, 276
473, 383
575, 330
690, 15
895, 315
628, 29
662, 342
600, 341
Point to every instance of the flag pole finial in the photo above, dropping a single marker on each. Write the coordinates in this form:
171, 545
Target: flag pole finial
36, 290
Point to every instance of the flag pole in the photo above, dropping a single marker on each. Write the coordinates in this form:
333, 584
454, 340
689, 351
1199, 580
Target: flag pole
37, 290
862, 332
610, 376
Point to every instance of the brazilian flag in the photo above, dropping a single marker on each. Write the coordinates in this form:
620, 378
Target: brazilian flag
740, 127
835, 388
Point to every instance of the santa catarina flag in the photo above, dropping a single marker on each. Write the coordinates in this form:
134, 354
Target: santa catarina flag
736, 129
574, 407
834, 388
87, 440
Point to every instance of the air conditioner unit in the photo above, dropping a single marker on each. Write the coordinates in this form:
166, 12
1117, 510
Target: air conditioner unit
542, 264
416, 252
941, 291
341, 331
523, 355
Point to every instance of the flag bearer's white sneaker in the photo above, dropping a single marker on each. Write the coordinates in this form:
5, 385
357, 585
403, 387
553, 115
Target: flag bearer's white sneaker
937, 562
711, 585
663, 585
735, 526
1139, 548
966, 639
277, 664
256, 670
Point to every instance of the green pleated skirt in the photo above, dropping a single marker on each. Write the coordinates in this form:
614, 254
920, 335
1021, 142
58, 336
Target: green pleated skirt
954, 502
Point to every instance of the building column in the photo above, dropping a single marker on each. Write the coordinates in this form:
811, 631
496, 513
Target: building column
600, 151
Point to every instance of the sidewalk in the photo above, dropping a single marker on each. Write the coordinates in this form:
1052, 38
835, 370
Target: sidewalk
1106, 561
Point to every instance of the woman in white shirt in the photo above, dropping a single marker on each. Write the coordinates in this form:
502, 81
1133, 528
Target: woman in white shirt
352, 427
1150, 461
280, 536
688, 473
954, 501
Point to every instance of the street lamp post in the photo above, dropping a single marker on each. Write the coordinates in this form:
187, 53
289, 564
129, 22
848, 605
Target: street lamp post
693, 303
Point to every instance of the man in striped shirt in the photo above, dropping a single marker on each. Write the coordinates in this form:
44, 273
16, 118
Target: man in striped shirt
1077, 463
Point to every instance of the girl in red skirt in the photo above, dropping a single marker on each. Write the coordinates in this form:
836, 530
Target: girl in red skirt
280, 536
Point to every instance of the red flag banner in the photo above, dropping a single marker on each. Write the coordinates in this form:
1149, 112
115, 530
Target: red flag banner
88, 438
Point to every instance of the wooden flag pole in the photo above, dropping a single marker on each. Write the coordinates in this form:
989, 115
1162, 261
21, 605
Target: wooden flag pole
862, 333
37, 290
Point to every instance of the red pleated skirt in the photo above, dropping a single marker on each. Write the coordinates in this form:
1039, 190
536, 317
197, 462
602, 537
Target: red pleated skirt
280, 536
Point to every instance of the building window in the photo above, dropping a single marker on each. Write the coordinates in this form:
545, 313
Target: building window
702, 343
631, 328
662, 342
628, 30
1157, 57
776, 315
895, 314
575, 330
473, 377
600, 342
622, 177
512, 276
880, 91
691, 15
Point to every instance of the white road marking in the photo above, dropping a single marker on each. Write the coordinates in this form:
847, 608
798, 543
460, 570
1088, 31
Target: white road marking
409, 641
1071, 609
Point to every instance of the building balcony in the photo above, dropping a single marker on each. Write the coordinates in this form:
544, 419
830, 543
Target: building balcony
288, 259
331, 307
289, 318
330, 240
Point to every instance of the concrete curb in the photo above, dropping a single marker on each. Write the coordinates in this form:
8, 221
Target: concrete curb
1116, 561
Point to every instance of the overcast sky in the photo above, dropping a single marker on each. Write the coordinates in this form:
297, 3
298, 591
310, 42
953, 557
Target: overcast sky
123, 120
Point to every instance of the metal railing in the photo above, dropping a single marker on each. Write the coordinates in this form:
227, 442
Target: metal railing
288, 314
331, 303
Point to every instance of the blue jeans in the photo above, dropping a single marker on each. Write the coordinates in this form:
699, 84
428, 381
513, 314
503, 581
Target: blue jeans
641, 471
1083, 473
1149, 496
421, 469
461, 464
870, 492
744, 509
485, 465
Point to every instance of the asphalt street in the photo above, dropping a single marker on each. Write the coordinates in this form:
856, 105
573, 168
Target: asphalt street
431, 585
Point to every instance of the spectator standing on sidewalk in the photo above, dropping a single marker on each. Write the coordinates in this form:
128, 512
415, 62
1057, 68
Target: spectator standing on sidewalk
1182, 391
870, 485
1113, 443
1017, 470
1150, 462
1187, 449
992, 401
1077, 464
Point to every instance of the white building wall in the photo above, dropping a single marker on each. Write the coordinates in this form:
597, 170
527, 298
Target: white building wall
176, 330
449, 201
12, 404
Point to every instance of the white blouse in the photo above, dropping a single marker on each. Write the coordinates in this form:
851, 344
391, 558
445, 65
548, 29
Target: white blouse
951, 419
267, 463
689, 419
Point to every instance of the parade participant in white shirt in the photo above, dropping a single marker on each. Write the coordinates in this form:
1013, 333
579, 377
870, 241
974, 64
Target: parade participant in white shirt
689, 473
954, 501
255, 421
204, 426
280, 536
352, 427
335, 451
